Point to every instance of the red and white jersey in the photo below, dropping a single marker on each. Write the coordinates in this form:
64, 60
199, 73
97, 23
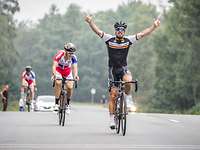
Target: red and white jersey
62, 63
28, 77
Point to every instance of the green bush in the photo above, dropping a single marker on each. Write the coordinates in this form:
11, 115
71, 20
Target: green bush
195, 110
12, 106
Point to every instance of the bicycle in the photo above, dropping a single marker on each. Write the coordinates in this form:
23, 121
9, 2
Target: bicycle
28, 98
120, 105
63, 100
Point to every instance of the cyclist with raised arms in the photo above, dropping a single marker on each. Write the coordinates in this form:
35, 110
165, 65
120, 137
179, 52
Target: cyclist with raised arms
65, 65
118, 48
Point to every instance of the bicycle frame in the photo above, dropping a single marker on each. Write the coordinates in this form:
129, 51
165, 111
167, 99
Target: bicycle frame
120, 106
28, 100
63, 101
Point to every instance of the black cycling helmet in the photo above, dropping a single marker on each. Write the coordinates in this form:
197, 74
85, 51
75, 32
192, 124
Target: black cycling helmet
28, 68
120, 24
70, 47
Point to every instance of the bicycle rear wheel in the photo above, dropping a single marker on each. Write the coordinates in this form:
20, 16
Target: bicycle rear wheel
123, 114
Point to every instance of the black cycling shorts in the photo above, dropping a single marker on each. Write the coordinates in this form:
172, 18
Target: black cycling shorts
116, 74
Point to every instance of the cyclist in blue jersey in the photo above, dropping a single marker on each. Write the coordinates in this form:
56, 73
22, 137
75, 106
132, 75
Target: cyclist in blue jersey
118, 48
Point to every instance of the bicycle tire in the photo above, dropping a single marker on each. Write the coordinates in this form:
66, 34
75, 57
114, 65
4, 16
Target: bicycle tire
60, 116
117, 123
60, 111
63, 117
28, 99
28, 107
117, 116
63, 109
28, 103
123, 114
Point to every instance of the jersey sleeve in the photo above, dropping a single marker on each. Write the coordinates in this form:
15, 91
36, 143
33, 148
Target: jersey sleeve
33, 74
74, 59
58, 55
132, 38
106, 37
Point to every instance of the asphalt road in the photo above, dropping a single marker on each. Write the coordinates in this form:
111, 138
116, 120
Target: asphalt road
88, 128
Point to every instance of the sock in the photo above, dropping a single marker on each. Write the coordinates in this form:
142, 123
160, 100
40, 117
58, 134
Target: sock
68, 100
22, 95
111, 115
127, 96
56, 100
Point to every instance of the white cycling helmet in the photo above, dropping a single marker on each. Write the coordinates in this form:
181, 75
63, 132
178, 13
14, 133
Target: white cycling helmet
28, 68
70, 47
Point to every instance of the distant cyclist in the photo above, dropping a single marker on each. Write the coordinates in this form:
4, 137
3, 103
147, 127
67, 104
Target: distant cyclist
28, 79
65, 65
118, 48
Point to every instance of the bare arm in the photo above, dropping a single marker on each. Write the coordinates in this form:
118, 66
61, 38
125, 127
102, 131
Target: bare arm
34, 82
75, 71
93, 26
54, 67
1, 93
148, 30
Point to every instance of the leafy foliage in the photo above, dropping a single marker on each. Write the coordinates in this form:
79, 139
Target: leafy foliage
8, 54
177, 70
37, 46
165, 63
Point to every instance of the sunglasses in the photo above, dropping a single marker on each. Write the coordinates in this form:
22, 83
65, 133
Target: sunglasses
120, 29
69, 50
70, 53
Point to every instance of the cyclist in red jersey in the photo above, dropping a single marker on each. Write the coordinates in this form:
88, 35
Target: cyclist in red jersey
65, 65
28, 78
118, 48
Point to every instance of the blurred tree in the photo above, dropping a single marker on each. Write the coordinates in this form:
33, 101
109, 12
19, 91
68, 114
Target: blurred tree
42, 41
178, 67
8, 54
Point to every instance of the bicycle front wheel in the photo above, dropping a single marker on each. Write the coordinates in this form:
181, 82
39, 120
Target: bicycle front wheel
123, 114
117, 123
28, 103
63, 116
117, 116
60, 111
28, 99
60, 116
63, 112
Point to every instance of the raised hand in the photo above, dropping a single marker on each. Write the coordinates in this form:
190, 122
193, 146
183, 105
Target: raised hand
156, 23
88, 18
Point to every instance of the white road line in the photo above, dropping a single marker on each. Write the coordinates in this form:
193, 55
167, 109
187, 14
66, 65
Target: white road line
173, 120
95, 146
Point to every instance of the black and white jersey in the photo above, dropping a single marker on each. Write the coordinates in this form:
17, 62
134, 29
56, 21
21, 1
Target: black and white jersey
118, 49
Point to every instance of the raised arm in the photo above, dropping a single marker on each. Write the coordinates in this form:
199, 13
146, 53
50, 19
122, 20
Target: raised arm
148, 30
93, 26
